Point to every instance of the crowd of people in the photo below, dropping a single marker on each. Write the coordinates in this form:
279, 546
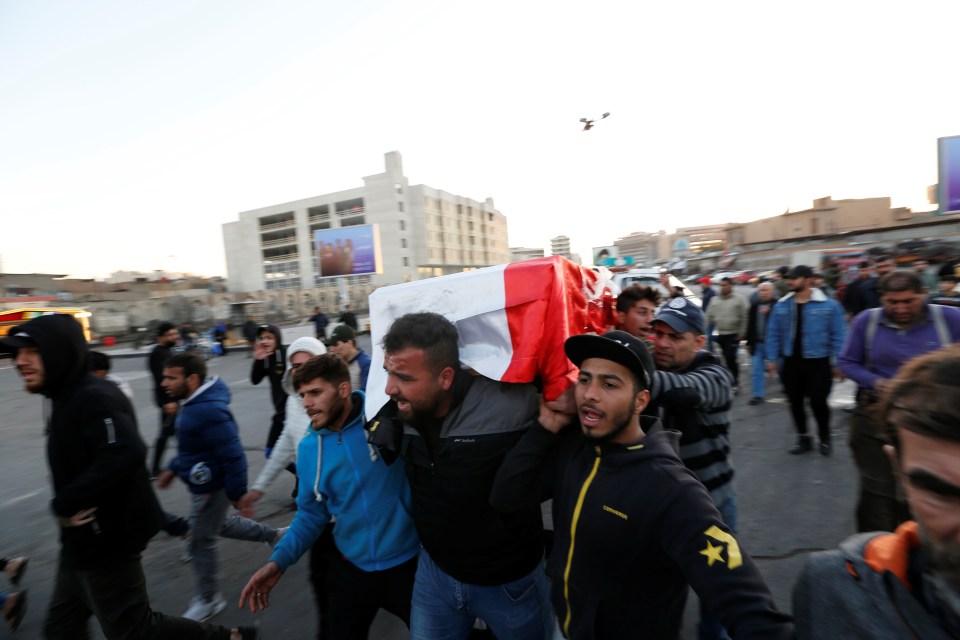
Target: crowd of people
432, 510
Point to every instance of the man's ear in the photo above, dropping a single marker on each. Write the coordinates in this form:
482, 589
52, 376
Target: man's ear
446, 378
641, 400
344, 390
701, 340
891, 452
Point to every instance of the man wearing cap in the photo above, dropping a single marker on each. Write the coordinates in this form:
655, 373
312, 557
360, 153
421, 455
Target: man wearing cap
806, 329
343, 342
102, 498
635, 551
691, 392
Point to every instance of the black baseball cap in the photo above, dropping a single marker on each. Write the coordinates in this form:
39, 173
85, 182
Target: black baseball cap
16, 340
617, 346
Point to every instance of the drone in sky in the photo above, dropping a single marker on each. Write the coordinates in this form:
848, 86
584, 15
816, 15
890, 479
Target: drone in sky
588, 124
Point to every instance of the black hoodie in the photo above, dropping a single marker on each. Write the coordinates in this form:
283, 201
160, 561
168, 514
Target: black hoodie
96, 456
633, 527
273, 367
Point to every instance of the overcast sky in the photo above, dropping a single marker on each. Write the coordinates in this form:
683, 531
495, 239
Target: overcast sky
131, 131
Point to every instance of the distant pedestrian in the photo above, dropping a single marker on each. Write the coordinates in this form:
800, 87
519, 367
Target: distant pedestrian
706, 296
947, 293
102, 498
780, 281
729, 312
167, 337
927, 277
320, 322
348, 318
270, 362
211, 462
880, 342
864, 293
756, 339
250, 334
99, 365
806, 329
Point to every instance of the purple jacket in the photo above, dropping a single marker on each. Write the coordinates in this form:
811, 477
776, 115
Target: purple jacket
892, 347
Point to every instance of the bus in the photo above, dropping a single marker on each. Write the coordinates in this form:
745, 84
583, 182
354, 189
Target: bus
9, 318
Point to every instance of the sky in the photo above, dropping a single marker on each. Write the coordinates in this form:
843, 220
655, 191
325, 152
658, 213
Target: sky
130, 132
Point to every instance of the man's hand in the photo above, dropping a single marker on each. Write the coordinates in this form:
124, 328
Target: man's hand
164, 479
880, 385
169, 408
257, 591
838, 374
554, 416
260, 350
78, 519
245, 504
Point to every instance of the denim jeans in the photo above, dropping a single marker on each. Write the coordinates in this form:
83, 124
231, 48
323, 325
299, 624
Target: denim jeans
444, 608
208, 520
758, 373
709, 628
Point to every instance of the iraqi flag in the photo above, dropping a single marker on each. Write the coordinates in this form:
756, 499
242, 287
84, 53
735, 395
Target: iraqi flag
512, 319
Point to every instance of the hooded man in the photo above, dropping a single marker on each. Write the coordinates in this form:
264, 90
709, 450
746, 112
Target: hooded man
270, 362
102, 497
635, 551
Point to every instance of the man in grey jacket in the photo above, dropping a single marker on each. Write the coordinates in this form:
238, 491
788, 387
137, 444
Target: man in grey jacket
904, 584
728, 311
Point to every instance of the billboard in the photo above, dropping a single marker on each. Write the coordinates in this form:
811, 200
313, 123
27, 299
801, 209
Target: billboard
605, 256
949, 186
348, 251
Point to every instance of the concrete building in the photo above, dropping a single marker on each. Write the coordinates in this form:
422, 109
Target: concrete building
642, 247
519, 254
423, 232
560, 246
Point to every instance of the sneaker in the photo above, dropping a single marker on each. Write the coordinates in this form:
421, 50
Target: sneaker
756, 400
825, 448
202, 610
803, 445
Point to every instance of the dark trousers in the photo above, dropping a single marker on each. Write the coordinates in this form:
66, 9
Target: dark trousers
322, 554
809, 378
729, 346
167, 430
880, 506
117, 596
354, 596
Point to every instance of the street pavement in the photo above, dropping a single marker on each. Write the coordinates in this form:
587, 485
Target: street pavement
788, 505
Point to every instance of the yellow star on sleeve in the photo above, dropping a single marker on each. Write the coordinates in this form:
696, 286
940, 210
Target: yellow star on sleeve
713, 554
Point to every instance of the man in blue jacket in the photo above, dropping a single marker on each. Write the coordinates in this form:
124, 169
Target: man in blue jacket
210, 460
806, 329
344, 477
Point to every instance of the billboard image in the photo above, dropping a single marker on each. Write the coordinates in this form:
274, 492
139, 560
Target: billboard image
348, 251
949, 186
605, 256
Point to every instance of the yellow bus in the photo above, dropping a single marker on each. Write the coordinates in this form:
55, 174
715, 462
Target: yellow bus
9, 318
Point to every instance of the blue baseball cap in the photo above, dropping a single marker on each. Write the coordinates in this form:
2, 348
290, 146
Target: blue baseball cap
683, 316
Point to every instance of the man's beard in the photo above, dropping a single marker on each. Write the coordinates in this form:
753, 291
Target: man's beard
944, 561
623, 421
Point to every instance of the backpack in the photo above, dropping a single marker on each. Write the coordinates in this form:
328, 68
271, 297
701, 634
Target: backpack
936, 312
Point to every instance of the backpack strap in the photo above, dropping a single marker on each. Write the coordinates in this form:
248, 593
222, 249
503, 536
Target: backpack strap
943, 333
872, 321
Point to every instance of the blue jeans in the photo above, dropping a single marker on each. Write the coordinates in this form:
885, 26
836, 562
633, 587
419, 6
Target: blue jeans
758, 373
709, 628
444, 608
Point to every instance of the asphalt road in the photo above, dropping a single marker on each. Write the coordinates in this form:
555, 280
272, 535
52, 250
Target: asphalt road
788, 505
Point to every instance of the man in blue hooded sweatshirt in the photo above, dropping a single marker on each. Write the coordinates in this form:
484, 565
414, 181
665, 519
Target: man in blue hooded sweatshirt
210, 460
343, 476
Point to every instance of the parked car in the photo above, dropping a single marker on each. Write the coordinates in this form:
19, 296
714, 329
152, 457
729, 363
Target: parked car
745, 276
720, 275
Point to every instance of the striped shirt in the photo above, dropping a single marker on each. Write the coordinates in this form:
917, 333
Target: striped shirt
696, 402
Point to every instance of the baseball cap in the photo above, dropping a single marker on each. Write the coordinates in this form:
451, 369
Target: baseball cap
341, 333
682, 315
16, 340
800, 271
617, 346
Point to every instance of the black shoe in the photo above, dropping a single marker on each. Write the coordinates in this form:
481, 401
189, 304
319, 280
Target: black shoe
803, 445
825, 448
756, 400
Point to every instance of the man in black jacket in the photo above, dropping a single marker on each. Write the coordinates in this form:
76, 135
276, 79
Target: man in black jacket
102, 498
270, 361
645, 527
454, 429
167, 336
